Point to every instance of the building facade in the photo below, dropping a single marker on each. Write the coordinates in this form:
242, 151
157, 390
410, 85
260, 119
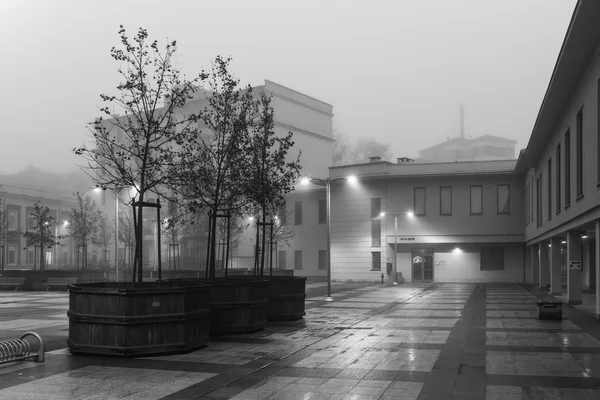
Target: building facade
562, 162
443, 222
486, 147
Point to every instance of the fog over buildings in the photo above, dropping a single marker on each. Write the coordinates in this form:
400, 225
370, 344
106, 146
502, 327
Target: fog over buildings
395, 71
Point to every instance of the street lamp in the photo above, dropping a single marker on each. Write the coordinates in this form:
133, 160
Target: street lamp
410, 214
327, 183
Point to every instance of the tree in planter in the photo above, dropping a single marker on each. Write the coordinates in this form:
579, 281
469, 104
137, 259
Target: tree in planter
212, 169
272, 175
136, 148
83, 223
103, 237
43, 231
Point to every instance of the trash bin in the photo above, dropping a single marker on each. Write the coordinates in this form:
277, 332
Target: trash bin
550, 310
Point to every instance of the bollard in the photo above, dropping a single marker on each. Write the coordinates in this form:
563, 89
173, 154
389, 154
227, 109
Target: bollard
382, 278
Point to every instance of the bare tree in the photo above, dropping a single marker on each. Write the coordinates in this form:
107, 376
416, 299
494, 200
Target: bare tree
345, 151
83, 223
136, 148
126, 232
212, 168
42, 234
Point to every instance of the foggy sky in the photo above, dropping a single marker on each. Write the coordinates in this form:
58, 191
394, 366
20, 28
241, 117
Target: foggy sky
393, 70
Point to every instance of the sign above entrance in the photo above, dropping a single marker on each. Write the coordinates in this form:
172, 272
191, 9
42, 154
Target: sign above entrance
575, 265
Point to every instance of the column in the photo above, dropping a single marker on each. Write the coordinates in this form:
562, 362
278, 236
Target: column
544, 268
555, 264
535, 264
586, 263
574, 267
597, 266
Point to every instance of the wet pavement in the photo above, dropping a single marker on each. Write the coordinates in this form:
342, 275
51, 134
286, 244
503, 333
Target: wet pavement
440, 341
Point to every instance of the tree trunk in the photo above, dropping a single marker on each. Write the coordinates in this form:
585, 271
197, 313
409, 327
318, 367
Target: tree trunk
212, 241
41, 252
263, 241
139, 238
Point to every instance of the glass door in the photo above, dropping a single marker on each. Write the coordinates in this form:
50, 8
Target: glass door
428, 267
417, 267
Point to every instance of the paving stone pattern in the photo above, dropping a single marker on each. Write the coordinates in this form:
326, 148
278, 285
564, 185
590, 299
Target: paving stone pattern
439, 341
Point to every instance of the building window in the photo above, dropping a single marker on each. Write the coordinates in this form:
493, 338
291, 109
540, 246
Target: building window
579, 145
298, 213
503, 199
281, 259
30, 257
492, 258
375, 261
11, 220
282, 214
531, 199
549, 188
375, 233
567, 168
488, 150
527, 203
446, 200
375, 207
322, 259
104, 197
12, 254
598, 136
558, 189
419, 201
538, 200
30, 222
322, 211
298, 259
476, 200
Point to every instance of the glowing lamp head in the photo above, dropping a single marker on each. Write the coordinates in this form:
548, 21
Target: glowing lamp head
382, 214
352, 179
305, 180
410, 214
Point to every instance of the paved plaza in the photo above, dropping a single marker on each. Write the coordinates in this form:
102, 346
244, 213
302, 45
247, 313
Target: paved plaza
440, 341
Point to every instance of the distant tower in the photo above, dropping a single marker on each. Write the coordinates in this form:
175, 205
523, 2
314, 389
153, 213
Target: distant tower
462, 120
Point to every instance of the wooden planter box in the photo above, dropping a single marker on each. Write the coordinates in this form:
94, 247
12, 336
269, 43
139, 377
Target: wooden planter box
236, 305
286, 295
120, 319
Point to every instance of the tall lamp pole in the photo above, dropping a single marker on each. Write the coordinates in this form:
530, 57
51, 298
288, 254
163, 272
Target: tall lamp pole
410, 214
327, 183
117, 231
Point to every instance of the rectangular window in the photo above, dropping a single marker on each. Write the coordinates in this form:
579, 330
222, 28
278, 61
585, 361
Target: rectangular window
527, 203
281, 259
11, 220
476, 200
298, 213
446, 200
375, 261
579, 145
104, 197
492, 258
538, 200
598, 135
567, 168
12, 254
558, 189
322, 259
322, 211
375, 233
503, 199
375, 207
549, 189
419, 206
30, 257
30, 222
298, 259
282, 214
531, 199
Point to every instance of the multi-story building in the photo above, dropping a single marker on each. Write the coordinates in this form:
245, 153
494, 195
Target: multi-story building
18, 203
486, 147
562, 162
443, 222
310, 120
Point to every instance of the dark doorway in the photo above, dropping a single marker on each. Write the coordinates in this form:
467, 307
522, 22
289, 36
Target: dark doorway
422, 265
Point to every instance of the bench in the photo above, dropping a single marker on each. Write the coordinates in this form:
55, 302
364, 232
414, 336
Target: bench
59, 282
17, 282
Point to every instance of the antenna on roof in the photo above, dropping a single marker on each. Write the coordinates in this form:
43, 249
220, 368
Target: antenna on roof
462, 120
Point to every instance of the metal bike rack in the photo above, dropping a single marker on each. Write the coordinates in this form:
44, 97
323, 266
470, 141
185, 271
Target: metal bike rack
20, 349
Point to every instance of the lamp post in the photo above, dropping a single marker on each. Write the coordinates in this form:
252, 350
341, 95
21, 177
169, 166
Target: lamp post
410, 214
327, 183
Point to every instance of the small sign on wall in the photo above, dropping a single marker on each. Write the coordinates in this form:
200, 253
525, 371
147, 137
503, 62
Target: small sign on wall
575, 265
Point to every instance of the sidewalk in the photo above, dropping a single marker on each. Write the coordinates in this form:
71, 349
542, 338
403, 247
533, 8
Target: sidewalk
446, 341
